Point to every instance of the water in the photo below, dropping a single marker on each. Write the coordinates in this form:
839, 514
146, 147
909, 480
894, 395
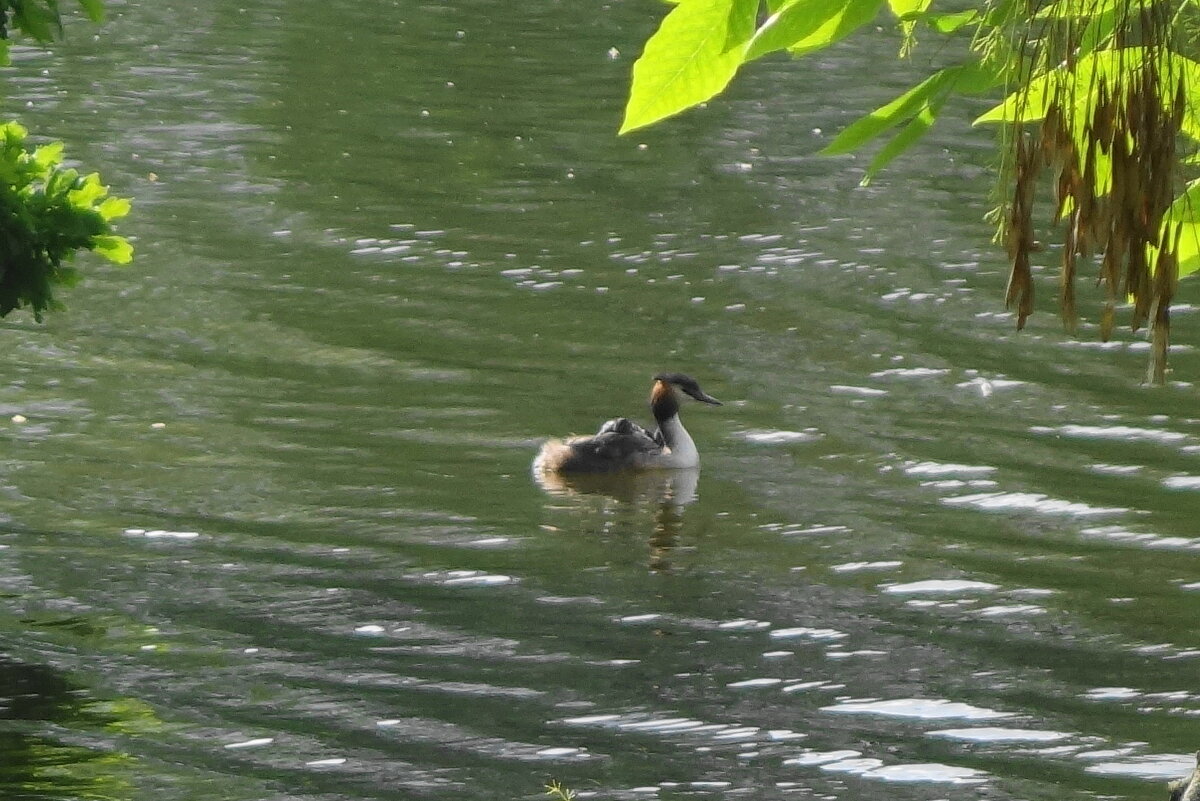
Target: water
269, 531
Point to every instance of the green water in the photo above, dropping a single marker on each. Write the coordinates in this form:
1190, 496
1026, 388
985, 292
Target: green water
269, 530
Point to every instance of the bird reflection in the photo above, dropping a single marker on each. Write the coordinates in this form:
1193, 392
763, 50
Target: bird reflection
666, 492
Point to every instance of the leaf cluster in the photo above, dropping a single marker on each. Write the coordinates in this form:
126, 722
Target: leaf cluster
47, 213
40, 20
701, 44
1107, 100
1102, 94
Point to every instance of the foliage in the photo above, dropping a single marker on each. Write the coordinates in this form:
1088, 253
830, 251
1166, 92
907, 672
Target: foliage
40, 20
1100, 94
559, 793
47, 211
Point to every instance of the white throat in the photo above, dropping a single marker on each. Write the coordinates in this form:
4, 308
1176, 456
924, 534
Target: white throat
681, 450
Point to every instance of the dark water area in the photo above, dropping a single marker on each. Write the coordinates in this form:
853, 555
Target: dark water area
269, 530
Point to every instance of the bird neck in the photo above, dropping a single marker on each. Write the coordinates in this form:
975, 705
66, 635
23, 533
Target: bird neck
664, 403
679, 442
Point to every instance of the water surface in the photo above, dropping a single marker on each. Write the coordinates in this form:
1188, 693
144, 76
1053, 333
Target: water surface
269, 530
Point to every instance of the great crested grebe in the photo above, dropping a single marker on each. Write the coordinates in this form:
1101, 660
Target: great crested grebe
622, 444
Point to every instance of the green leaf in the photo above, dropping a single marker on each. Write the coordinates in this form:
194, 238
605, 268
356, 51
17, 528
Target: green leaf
1186, 207
1085, 9
971, 78
949, 23
49, 155
1098, 30
61, 181
801, 26
114, 208
5, 56
88, 192
902, 141
94, 9
1115, 67
114, 248
891, 114
688, 60
743, 16
1182, 219
36, 21
908, 8
907, 11
1187, 252
13, 133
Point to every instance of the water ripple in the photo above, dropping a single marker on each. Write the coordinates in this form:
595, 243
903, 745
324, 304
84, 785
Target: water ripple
1127, 433
1032, 501
940, 586
995, 734
918, 708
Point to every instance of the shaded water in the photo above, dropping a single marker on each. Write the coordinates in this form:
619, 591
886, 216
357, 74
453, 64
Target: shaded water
269, 531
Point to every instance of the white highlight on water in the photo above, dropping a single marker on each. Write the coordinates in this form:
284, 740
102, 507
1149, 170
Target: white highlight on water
919, 708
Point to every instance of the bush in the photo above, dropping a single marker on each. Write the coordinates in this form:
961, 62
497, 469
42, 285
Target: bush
47, 213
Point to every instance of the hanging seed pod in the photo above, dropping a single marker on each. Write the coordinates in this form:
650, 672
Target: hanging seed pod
1067, 276
1020, 281
1102, 117
1109, 137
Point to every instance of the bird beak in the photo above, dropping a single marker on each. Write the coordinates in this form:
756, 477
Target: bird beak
705, 398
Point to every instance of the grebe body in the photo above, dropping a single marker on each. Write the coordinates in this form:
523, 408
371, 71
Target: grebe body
622, 444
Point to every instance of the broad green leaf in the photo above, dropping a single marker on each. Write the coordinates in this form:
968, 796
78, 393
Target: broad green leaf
970, 78
94, 9
114, 248
949, 23
1031, 102
35, 21
1189, 73
1187, 252
1005, 11
908, 8
891, 114
854, 15
49, 155
113, 208
1114, 67
977, 78
1082, 9
88, 193
1027, 104
801, 26
902, 141
1186, 207
687, 61
1097, 31
1182, 219
743, 16
13, 133
61, 181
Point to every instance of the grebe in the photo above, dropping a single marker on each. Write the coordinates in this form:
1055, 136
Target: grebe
622, 444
